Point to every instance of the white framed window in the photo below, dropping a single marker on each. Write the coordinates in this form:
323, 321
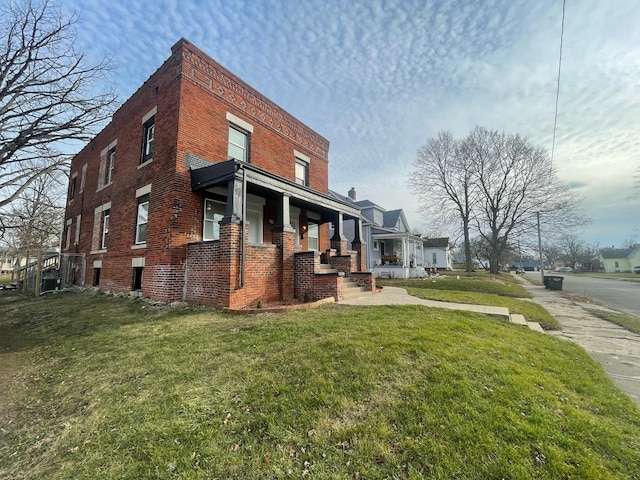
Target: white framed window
72, 186
254, 217
314, 236
142, 219
105, 228
238, 144
83, 179
111, 163
302, 172
376, 245
434, 257
149, 129
68, 239
78, 223
214, 211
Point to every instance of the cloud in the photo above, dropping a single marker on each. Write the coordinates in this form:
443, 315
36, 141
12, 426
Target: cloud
377, 78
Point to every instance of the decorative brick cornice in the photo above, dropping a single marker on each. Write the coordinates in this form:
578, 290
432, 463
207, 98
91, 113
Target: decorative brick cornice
207, 73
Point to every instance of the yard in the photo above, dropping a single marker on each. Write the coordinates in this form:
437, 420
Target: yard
481, 289
96, 386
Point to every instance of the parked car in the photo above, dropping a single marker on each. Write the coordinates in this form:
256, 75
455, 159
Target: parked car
636, 269
564, 269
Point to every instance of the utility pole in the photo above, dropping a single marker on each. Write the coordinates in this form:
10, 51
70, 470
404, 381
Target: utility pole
540, 248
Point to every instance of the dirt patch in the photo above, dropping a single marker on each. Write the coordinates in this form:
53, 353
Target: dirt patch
578, 298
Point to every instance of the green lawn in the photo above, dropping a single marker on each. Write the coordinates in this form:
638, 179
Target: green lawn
112, 388
630, 323
501, 291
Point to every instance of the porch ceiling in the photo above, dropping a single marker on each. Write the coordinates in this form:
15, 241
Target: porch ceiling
216, 174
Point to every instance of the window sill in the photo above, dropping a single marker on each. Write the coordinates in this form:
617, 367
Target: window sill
144, 164
138, 246
102, 250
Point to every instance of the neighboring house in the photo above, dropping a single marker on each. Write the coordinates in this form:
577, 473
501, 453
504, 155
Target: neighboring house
203, 190
619, 259
437, 253
392, 250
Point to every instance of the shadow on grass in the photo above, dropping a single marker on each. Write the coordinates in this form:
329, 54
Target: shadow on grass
27, 322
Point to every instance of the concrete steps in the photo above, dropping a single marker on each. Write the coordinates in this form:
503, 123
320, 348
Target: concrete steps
351, 289
520, 320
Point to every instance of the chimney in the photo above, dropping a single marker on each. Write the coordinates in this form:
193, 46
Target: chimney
352, 194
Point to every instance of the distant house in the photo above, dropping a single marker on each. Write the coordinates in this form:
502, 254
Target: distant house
619, 259
392, 250
437, 252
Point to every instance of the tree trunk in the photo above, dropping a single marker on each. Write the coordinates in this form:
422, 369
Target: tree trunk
467, 247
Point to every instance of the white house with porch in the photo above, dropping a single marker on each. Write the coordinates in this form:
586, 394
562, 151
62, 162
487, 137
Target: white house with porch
392, 250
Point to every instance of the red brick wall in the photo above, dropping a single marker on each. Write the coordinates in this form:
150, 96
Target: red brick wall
192, 94
305, 265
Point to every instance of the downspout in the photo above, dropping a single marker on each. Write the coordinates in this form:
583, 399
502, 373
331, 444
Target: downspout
244, 227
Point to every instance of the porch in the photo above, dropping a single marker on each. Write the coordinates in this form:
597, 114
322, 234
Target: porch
258, 224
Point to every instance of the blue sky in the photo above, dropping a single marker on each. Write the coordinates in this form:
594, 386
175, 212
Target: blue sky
377, 78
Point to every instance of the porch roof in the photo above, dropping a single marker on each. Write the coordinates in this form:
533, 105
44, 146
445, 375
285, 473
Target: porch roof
216, 174
380, 234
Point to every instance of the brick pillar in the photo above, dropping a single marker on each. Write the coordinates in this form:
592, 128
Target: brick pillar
229, 272
284, 238
361, 255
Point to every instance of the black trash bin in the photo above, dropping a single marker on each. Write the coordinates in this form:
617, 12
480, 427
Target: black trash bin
553, 282
545, 279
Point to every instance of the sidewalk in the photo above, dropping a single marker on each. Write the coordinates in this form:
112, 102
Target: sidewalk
615, 348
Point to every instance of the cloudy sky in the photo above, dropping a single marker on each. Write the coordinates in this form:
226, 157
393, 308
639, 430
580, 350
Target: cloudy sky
378, 78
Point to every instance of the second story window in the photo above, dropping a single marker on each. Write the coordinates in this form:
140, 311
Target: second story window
238, 144
142, 219
72, 188
302, 172
111, 163
148, 140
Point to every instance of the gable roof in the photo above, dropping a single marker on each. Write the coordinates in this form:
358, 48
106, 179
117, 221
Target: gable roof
391, 218
442, 242
609, 253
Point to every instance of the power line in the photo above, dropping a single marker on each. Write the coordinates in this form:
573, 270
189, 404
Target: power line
555, 117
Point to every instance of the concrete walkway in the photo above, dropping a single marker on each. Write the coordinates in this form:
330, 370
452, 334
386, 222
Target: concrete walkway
399, 296
615, 348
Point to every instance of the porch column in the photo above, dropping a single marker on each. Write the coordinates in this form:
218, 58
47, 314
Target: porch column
359, 246
284, 238
235, 199
339, 241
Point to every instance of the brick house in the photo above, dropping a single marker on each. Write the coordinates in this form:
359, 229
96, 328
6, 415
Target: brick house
202, 190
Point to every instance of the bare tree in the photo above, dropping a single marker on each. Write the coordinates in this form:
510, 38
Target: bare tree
515, 181
33, 221
47, 96
442, 179
629, 243
572, 248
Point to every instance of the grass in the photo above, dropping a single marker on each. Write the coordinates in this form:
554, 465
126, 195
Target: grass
630, 323
112, 388
502, 291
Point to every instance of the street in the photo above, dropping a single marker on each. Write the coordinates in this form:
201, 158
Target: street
619, 295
